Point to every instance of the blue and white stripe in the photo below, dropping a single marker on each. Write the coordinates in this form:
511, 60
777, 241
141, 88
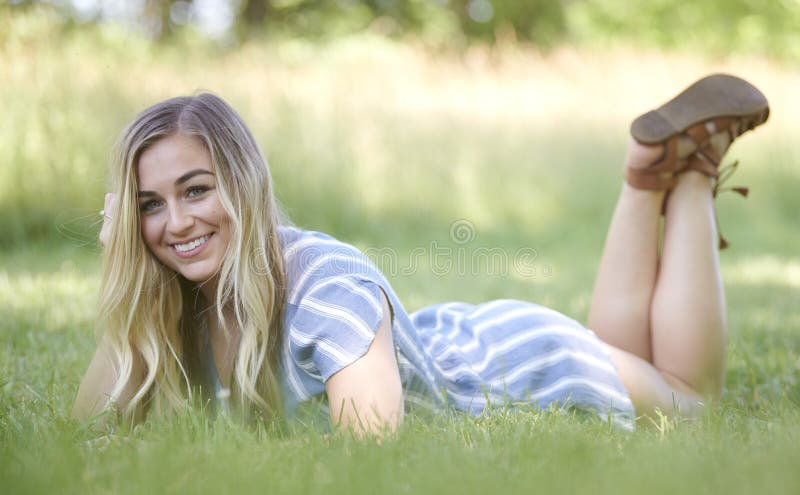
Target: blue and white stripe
500, 351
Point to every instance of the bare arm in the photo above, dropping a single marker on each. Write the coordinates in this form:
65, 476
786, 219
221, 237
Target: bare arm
367, 396
99, 380
98, 383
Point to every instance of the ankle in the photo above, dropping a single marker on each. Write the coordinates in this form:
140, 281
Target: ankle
643, 197
692, 186
695, 180
655, 167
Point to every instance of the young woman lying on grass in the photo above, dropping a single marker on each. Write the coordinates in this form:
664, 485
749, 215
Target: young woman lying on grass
208, 291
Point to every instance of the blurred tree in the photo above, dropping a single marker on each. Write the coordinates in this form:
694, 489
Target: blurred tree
723, 25
155, 18
255, 12
754, 26
540, 21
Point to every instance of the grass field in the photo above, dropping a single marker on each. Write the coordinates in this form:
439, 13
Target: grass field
388, 147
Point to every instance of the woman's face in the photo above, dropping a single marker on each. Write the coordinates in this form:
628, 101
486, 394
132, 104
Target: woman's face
183, 221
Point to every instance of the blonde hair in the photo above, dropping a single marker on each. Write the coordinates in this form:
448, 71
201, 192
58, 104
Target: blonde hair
148, 311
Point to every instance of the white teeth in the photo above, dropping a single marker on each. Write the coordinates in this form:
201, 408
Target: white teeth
191, 245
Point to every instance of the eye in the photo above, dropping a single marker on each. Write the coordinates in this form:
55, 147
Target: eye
196, 191
148, 206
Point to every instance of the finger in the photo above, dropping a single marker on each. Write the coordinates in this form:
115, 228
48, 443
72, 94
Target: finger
110, 203
108, 212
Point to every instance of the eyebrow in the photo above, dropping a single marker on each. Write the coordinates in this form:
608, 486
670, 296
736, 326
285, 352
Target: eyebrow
180, 180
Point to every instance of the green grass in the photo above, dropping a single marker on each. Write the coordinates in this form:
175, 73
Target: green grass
386, 147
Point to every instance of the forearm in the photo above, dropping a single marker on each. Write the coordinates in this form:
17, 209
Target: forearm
94, 395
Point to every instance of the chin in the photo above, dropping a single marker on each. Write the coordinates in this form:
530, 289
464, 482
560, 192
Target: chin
198, 276
197, 272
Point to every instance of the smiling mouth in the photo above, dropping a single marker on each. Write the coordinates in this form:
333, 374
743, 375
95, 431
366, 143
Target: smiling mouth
187, 247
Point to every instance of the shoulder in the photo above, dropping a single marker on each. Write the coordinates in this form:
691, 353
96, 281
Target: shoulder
334, 324
336, 295
316, 262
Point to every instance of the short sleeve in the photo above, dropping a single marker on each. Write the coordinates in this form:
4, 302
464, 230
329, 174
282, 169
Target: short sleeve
335, 324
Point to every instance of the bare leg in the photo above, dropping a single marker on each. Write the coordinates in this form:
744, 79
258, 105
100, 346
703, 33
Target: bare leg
623, 292
688, 312
637, 305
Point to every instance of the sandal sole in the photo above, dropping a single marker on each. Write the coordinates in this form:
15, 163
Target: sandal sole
715, 96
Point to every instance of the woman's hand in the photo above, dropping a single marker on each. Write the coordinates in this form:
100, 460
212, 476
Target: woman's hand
367, 396
108, 216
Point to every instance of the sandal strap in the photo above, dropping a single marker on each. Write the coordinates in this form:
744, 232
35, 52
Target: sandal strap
652, 182
699, 134
660, 174
706, 159
703, 163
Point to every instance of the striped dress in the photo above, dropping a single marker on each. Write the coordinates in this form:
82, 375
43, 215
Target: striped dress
450, 355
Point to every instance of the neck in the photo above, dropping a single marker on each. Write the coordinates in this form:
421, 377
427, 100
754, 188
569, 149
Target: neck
209, 289
224, 345
215, 326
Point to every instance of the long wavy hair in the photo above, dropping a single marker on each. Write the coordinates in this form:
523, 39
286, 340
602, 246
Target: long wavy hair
150, 313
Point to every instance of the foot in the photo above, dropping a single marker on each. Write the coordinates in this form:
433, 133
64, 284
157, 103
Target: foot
642, 156
656, 166
683, 128
700, 148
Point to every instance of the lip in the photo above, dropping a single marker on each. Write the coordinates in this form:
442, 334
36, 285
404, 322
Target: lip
194, 252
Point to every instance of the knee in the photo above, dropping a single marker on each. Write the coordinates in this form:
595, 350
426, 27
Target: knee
691, 399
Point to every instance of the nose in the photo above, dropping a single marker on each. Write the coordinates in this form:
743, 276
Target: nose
180, 221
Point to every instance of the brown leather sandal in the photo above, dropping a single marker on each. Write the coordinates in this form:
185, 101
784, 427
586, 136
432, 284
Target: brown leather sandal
710, 99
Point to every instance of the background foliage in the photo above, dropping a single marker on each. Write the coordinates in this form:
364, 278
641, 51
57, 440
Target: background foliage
57, 94
764, 27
